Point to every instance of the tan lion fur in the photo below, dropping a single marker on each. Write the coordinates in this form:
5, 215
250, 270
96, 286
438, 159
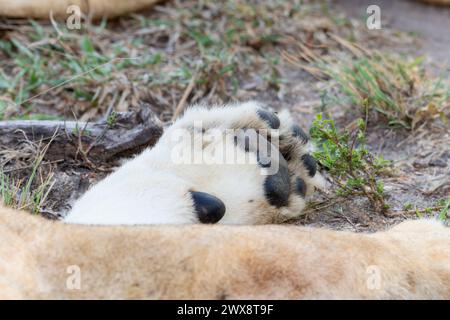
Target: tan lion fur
95, 8
215, 262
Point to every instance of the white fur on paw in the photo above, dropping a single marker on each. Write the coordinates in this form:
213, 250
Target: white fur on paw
156, 186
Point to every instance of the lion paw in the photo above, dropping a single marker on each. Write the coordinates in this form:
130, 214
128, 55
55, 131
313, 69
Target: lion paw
238, 164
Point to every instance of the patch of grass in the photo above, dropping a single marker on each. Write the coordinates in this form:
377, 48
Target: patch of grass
38, 116
395, 88
438, 211
353, 168
391, 89
153, 58
26, 194
2, 109
44, 63
443, 212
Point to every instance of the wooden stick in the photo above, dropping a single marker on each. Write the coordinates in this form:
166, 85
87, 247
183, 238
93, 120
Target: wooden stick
127, 133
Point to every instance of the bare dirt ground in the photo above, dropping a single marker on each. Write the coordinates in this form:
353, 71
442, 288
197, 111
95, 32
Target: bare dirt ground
229, 52
430, 24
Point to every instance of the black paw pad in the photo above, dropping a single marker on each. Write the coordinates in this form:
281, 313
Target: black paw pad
300, 187
277, 187
209, 208
269, 117
310, 164
299, 133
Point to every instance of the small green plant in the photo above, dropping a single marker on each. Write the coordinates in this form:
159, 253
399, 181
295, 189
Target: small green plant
81, 132
344, 154
443, 212
111, 119
408, 206
439, 210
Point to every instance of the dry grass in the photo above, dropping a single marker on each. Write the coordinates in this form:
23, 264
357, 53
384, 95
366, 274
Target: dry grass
184, 52
30, 191
397, 90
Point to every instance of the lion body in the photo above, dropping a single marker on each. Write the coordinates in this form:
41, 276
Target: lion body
411, 260
61, 8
